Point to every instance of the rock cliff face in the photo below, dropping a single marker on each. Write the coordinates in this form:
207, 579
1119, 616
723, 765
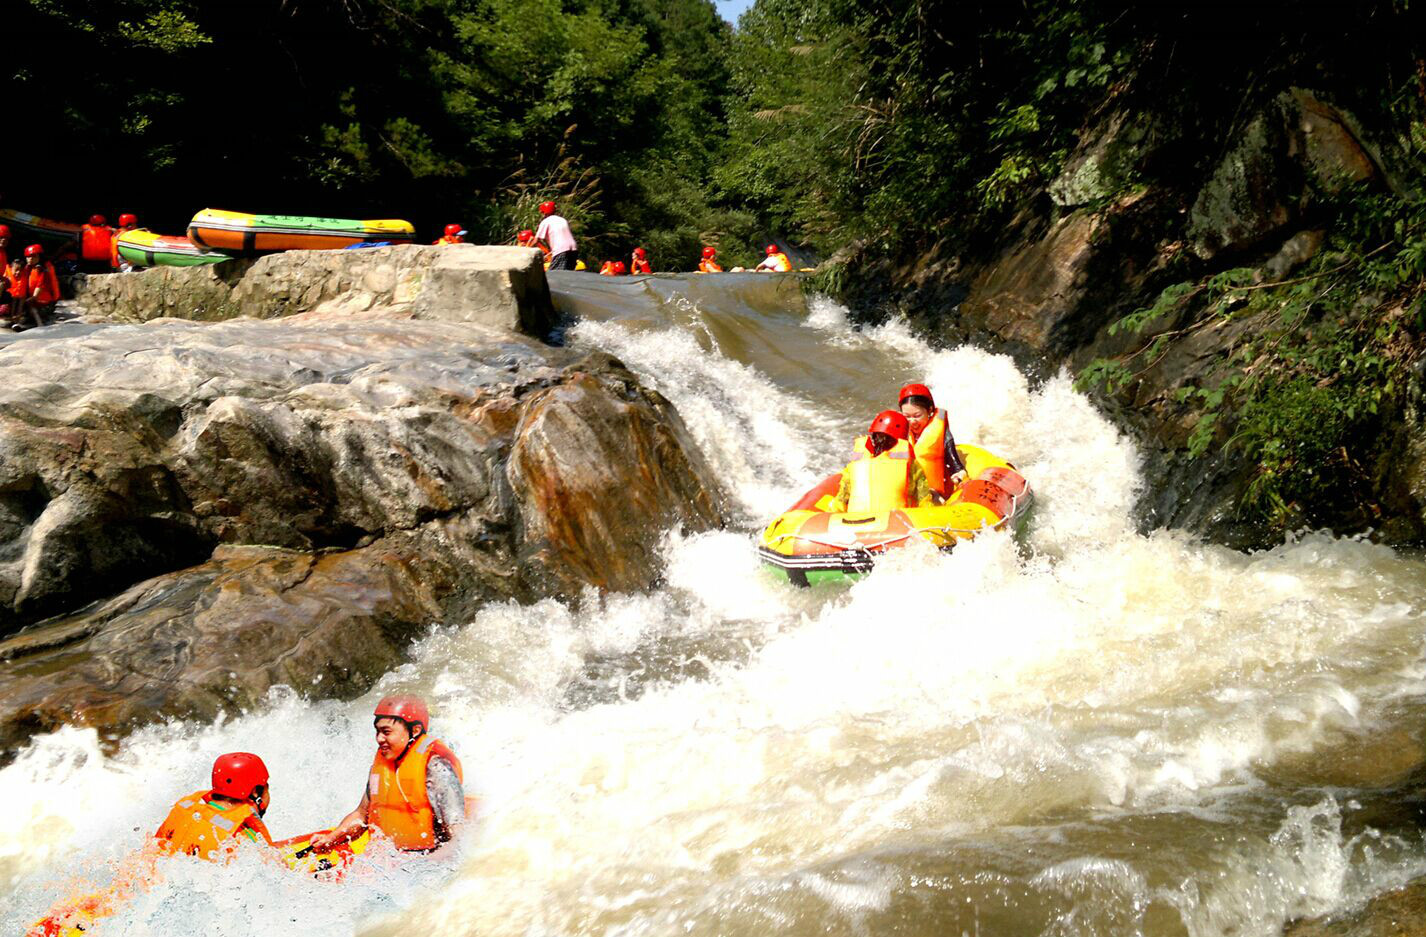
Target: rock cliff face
1114, 229
291, 500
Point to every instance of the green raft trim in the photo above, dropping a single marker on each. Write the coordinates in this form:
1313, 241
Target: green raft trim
162, 258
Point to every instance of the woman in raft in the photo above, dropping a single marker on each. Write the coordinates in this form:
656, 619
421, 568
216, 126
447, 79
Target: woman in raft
931, 440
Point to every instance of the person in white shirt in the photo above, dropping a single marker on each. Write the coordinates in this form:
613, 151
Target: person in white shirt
555, 237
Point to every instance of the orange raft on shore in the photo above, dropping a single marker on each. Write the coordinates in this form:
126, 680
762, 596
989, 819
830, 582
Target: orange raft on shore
240, 232
810, 544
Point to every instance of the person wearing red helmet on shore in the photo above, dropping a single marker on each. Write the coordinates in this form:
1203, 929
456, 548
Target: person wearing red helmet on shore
126, 223
775, 261
454, 234
883, 474
555, 237
526, 238
931, 439
95, 242
639, 262
4, 247
414, 793
38, 286
221, 817
708, 264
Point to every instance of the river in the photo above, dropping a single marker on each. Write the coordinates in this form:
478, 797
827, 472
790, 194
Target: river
1083, 731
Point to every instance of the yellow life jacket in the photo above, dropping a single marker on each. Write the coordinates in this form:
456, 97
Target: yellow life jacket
196, 827
780, 263
930, 449
398, 803
880, 483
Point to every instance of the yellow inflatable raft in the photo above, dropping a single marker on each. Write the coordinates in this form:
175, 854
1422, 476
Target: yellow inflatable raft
810, 544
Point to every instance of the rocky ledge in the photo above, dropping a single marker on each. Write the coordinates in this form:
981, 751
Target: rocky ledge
193, 512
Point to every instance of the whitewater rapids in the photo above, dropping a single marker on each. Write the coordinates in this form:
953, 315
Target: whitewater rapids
1090, 731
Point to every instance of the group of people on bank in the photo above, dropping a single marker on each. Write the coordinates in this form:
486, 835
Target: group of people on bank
29, 281
414, 795
556, 240
908, 458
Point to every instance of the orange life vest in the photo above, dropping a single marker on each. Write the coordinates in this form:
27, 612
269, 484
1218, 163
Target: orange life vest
42, 284
608, 269
195, 827
18, 279
930, 449
449, 239
708, 266
94, 241
780, 263
640, 266
114, 259
882, 482
398, 803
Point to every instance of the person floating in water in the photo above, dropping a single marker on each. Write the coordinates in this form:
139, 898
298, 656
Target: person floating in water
639, 262
708, 264
414, 793
229, 812
883, 474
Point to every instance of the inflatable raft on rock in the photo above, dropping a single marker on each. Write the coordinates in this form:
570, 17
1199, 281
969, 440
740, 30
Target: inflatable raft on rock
809, 544
144, 248
25, 227
213, 229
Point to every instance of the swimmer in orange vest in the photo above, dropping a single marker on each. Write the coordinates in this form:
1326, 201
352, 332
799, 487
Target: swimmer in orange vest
931, 440
883, 474
639, 263
414, 792
208, 822
708, 264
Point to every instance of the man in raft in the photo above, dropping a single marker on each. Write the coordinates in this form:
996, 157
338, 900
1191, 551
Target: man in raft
413, 794
639, 262
931, 440
708, 264
884, 474
554, 236
206, 822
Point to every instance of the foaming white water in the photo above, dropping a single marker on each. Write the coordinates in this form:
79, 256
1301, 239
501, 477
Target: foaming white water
1081, 737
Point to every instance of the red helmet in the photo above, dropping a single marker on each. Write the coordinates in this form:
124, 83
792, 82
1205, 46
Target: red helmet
409, 709
4, 230
97, 220
128, 221
915, 390
891, 423
640, 253
708, 253
526, 235
619, 266
237, 773
771, 249
547, 208
34, 250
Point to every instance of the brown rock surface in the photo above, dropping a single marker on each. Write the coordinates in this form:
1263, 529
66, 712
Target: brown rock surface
395, 472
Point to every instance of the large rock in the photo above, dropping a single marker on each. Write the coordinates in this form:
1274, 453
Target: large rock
216, 637
499, 287
292, 501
